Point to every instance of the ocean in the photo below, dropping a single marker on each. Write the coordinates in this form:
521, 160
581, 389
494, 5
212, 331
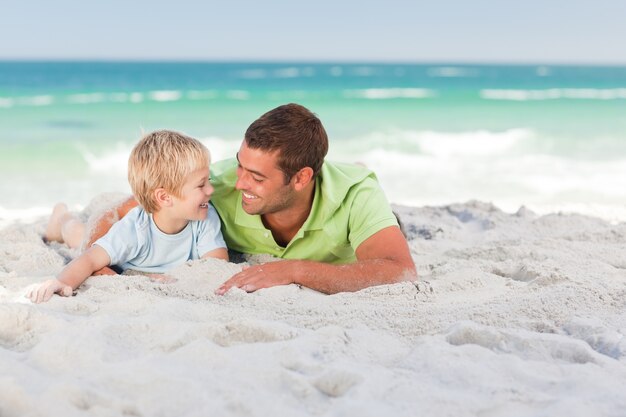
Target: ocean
550, 138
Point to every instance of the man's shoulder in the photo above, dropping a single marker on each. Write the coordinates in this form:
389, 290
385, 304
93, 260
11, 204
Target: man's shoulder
223, 180
223, 170
338, 180
346, 172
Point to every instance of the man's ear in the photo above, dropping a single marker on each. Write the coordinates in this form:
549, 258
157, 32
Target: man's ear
302, 178
162, 197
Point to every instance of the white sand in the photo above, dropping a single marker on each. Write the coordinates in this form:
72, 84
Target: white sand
515, 315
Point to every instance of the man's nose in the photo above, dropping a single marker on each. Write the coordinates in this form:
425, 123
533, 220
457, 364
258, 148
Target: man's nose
241, 181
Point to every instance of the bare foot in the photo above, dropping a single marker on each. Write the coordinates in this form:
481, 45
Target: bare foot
53, 230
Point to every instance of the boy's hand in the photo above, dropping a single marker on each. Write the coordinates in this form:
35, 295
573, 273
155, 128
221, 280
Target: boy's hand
46, 289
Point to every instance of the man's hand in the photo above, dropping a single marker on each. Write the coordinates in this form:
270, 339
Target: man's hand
46, 289
255, 277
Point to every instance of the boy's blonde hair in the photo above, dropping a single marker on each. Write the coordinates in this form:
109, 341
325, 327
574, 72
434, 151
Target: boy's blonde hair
163, 159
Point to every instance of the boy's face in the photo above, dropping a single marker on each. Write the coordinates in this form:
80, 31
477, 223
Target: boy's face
195, 196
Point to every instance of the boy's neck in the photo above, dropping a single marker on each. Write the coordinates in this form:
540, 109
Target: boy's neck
167, 224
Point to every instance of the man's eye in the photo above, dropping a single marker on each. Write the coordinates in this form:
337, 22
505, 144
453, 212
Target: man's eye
257, 179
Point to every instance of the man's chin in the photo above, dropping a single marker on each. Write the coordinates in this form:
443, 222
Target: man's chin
249, 209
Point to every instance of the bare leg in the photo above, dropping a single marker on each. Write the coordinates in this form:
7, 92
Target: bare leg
64, 227
53, 229
73, 231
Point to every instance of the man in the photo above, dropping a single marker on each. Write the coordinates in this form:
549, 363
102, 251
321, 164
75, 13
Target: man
330, 223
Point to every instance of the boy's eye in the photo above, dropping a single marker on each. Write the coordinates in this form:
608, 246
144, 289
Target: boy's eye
257, 179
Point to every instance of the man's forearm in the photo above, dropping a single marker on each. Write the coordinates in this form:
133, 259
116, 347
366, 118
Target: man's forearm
332, 279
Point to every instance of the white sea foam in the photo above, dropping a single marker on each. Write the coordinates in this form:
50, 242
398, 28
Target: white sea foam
451, 72
308, 71
41, 100
292, 95
100, 97
508, 168
87, 98
114, 160
293, 72
136, 97
543, 71
118, 97
554, 94
221, 148
165, 95
465, 144
336, 71
389, 93
238, 94
252, 74
111, 162
363, 71
290, 72
201, 95
6, 102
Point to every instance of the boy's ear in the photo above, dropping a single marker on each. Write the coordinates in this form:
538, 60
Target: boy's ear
302, 178
162, 197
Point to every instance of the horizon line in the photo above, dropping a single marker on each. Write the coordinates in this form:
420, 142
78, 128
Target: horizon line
310, 61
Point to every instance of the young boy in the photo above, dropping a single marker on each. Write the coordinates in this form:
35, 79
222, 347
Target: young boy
169, 175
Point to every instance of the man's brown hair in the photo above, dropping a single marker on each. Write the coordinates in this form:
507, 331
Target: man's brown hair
296, 133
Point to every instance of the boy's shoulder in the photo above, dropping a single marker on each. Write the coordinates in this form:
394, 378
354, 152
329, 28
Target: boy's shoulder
136, 218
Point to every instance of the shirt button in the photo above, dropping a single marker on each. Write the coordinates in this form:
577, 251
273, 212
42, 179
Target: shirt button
266, 234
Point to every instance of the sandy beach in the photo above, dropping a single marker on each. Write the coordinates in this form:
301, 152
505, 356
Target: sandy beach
515, 314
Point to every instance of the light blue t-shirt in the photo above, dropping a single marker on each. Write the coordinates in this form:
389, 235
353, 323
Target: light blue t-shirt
135, 242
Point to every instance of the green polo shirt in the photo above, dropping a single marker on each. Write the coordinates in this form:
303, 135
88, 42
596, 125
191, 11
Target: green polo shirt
348, 207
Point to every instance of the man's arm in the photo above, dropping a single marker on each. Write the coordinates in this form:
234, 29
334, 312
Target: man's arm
104, 223
383, 258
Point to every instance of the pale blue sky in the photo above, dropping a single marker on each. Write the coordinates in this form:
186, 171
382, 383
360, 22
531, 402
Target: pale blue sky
532, 31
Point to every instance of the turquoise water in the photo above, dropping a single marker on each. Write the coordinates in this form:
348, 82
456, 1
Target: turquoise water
549, 137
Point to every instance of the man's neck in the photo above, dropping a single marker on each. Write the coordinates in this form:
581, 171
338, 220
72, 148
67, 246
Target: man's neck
285, 224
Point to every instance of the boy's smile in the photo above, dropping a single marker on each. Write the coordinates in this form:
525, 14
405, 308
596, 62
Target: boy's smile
192, 205
196, 193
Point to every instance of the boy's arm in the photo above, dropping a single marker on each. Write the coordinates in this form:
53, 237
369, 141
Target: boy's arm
104, 223
74, 274
219, 253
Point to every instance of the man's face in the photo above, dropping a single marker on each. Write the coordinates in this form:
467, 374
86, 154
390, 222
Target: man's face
261, 182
